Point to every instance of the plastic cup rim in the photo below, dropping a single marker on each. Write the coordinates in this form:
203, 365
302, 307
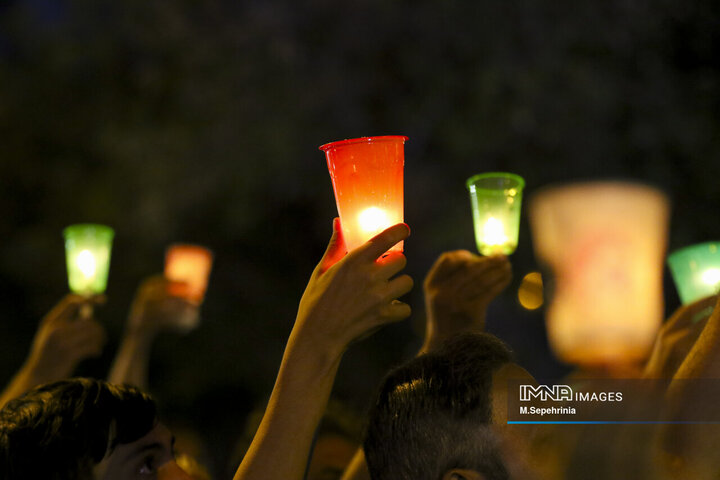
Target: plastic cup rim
351, 141
103, 230
480, 176
190, 246
687, 249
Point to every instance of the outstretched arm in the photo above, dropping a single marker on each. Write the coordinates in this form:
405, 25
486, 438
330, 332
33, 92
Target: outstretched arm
153, 310
690, 449
703, 359
458, 289
62, 340
343, 301
677, 337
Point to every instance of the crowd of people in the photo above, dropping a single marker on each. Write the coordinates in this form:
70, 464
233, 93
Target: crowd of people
441, 415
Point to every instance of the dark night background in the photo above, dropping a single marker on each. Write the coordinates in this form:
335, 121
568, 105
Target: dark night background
199, 121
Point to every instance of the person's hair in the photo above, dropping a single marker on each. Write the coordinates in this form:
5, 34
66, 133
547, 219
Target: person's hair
432, 414
59, 431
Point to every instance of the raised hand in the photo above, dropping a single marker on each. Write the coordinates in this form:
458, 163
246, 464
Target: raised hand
64, 338
458, 289
350, 296
676, 337
154, 308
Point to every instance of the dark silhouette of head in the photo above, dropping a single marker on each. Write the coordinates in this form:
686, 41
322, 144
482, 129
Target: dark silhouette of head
433, 414
60, 431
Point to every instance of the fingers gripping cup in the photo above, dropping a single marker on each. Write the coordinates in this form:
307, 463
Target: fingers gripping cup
367, 178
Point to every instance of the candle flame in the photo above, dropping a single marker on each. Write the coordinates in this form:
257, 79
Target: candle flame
711, 276
373, 219
494, 233
85, 261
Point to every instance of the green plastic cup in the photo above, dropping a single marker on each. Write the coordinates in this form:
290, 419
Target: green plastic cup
696, 271
87, 252
496, 199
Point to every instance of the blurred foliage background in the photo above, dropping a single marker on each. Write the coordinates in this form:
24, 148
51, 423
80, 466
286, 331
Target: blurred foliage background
199, 121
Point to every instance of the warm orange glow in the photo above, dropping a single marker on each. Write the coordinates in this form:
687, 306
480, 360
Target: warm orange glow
605, 243
373, 220
367, 177
530, 293
191, 265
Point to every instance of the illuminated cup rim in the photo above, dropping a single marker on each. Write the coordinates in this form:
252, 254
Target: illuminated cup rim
680, 252
77, 228
190, 246
351, 141
470, 182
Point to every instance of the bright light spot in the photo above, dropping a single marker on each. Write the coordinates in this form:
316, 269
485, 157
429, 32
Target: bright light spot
711, 276
530, 294
494, 233
373, 219
85, 261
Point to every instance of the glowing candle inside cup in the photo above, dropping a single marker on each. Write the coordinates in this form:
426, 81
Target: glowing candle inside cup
87, 252
605, 244
496, 200
711, 277
191, 265
367, 178
696, 271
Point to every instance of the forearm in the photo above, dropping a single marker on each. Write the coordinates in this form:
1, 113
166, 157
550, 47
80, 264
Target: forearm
687, 392
132, 360
357, 469
282, 443
26, 378
703, 360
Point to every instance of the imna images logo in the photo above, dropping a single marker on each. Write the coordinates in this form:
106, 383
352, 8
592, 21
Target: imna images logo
556, 393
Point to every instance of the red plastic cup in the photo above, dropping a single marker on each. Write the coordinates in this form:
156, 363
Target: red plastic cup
367, 178
189, 264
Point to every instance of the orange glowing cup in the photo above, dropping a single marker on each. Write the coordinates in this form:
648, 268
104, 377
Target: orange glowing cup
605, 243
367, 178
189, 264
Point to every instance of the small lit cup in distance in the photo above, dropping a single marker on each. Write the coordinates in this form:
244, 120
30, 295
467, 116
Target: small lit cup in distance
696, 271
87, 252
495, 199
367, 179
189, 265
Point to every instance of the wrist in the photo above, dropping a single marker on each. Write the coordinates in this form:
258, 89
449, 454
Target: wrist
315, 356
139, 330
443, 324
35, 373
